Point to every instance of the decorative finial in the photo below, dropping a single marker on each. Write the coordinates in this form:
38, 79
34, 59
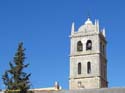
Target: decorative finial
88, 20
88, 15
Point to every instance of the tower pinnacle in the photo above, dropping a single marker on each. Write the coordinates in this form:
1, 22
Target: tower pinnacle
73, 28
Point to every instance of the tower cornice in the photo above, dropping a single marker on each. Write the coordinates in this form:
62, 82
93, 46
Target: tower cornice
83, 35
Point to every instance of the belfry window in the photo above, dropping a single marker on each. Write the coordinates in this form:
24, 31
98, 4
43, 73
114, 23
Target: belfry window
79, 68
79, 46
89, 45
88, 67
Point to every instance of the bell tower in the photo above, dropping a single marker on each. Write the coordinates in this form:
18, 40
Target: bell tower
88, 63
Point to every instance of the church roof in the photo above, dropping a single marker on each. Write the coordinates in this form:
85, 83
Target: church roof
101, 90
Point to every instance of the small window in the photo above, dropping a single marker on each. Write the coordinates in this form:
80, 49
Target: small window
79, 46
79, 84
88, 67
79, 68
103, 50
89, 45
100, 46
105, 71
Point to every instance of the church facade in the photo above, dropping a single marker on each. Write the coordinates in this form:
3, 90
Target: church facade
88, 62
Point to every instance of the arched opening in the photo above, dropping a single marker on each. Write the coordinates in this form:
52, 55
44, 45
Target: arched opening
88, 67
79, 68
79, 46
89, 45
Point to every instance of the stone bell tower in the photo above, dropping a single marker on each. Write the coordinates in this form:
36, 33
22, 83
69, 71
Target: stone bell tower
88, 63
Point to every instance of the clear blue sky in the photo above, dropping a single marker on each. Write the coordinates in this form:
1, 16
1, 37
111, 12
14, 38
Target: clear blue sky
44, 27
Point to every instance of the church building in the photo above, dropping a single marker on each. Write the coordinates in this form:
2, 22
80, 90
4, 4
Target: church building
88, 62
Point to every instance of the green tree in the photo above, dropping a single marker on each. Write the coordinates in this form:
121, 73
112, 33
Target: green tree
15, 78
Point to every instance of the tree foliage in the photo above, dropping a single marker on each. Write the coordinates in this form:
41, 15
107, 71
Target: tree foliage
15, 78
